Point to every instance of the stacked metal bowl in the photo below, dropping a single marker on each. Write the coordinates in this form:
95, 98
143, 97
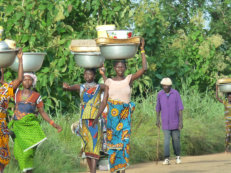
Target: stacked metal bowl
224, 85
86, 53
118, 48
7, 55
32, 61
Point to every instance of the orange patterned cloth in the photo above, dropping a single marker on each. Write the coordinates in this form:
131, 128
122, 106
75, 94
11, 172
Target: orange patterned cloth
26, 106
227, 123
118, 134
6, 92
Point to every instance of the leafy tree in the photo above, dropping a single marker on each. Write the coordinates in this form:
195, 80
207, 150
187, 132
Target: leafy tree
50, 26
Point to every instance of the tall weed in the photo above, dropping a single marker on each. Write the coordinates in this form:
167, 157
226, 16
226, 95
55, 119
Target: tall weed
203, 132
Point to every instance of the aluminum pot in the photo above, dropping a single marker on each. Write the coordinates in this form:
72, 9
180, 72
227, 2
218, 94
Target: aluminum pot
225, 88
118, 51
7, 57
89, 59
4, 46
32, 61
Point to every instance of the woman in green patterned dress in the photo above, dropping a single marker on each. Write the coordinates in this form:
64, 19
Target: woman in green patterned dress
25, 124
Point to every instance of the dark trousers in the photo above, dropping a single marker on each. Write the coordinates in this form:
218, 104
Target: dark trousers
175, 134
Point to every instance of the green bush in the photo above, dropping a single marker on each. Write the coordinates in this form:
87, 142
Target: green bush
203, 133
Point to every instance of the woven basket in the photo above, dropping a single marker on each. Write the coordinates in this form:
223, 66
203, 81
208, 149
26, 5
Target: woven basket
84, 46
224, 81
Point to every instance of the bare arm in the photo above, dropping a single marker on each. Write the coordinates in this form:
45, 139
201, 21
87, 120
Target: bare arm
103, 103
18, 81
140, 72
2, 76
67, 87
219, 99
102, 72
158, 119
158, 110
180, 119
46, 118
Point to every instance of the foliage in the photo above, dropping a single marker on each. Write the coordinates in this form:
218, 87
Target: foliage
178, 44
59, 153
203, 121
50, 26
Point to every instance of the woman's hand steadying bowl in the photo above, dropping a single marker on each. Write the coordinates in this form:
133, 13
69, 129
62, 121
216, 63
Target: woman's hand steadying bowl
19, 55
102, 70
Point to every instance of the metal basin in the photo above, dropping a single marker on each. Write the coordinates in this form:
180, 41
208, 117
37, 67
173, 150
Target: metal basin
7, 57
226, 88
4, 46
32, 61
118, 51
89, 59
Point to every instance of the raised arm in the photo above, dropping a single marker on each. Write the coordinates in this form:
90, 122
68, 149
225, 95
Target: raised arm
67, 87
144, 68
103, 103
219, 99
46, 118
2, 76
18, 81
102, 72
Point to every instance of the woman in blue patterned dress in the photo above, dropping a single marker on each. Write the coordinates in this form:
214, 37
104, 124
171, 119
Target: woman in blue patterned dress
91, 108
120, 110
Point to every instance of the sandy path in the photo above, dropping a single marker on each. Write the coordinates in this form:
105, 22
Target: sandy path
215, 163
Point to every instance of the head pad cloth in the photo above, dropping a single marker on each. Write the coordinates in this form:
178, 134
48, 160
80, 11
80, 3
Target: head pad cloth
33, 76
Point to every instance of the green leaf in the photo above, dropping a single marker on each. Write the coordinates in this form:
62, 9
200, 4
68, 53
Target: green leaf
25, 38
27, 23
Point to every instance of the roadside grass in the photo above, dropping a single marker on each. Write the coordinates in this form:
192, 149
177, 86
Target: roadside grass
203, 133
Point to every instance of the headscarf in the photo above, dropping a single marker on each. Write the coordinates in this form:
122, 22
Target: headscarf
166, 81
33, 76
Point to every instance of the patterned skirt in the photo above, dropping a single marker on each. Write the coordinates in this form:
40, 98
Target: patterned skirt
91, 138
28, 135
118, 134
228, 132
4, 141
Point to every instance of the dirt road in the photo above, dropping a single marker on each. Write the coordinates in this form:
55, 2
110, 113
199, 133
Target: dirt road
215, 163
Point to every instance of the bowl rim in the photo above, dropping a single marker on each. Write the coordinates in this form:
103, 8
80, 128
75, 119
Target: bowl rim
87, 53
121, 44
34, 53
9, 50
223, 84
122, 30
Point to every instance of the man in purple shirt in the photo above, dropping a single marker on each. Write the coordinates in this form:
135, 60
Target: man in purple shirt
170, 106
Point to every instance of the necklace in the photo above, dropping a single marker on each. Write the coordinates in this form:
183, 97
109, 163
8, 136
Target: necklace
25, 97
90, 85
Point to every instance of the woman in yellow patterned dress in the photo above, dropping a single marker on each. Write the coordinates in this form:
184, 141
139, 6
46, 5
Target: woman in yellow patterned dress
6, 92
91, 108
227, 104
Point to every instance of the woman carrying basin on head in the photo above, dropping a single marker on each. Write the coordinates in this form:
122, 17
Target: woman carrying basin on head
25, 124
91, 108
227, 105
6, 92
120, 109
